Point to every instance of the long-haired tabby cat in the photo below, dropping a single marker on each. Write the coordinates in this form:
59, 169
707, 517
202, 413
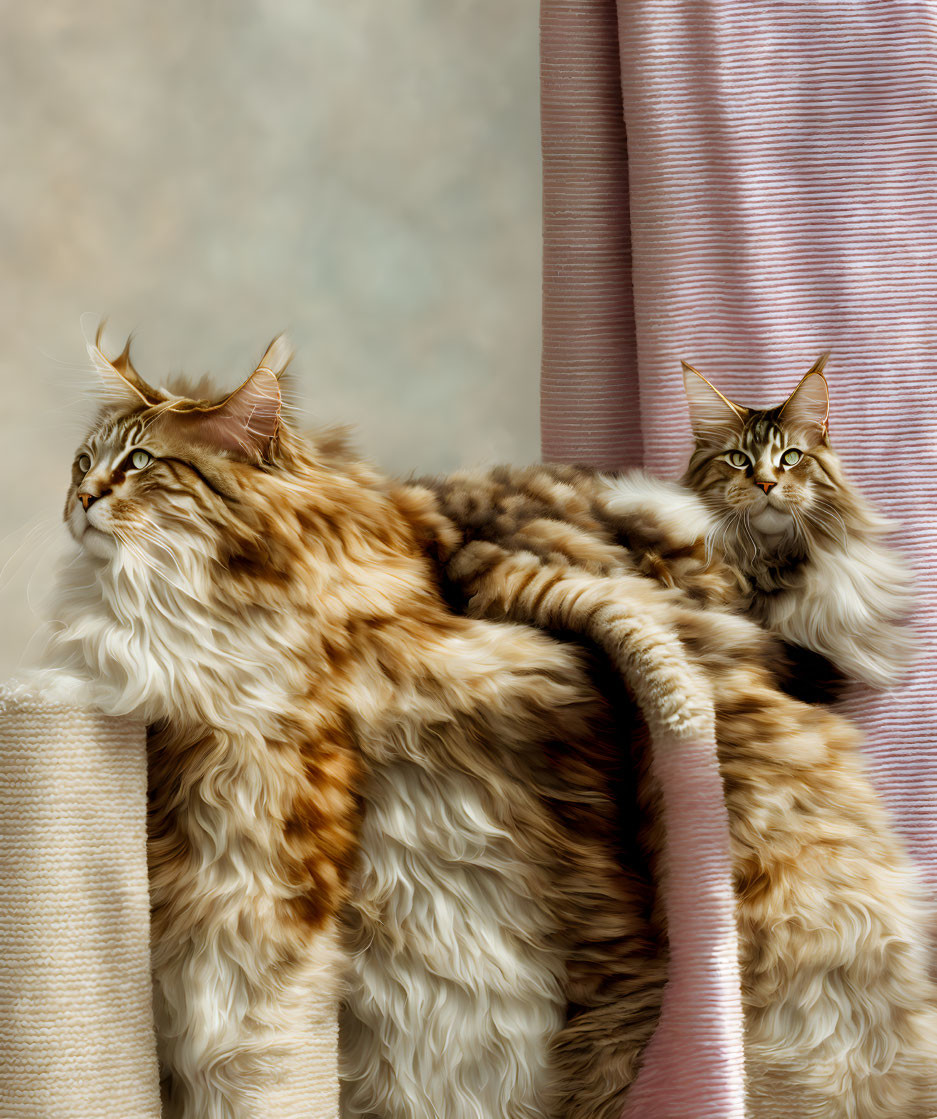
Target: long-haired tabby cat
790, 542
807, 545
828, 1007
270, 605
265, 603
835, 941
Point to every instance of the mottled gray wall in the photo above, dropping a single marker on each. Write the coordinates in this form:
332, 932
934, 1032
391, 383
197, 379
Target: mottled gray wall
362, 174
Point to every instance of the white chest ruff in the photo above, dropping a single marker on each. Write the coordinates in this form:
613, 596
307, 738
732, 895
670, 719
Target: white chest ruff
153, 646
771, 522
231, 1014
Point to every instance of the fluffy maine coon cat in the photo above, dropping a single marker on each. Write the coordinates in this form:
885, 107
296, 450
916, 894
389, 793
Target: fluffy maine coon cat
788, 540
835, 940
559, 547
807, 545
265, 603
270, 606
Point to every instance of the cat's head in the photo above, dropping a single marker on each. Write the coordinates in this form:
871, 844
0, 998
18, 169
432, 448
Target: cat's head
785, 515
156, 469
214, 544
768, 474
176, 504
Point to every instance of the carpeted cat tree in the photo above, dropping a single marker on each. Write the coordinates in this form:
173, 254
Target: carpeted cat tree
76, 1028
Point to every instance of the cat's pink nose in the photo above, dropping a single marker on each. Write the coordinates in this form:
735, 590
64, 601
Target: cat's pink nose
765, 485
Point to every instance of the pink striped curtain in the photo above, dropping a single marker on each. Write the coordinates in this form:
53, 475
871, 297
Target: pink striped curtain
744, 185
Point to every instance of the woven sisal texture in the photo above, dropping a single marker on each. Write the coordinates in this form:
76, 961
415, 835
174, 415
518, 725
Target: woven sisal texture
76, 1029
694, 1064
310, 1086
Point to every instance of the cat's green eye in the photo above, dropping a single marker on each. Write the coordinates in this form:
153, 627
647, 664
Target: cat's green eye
791, 457
84, 463
136, 460
738, 459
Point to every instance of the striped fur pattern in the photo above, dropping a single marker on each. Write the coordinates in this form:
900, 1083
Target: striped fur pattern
272, 607
328, 739
834, 939
810, 549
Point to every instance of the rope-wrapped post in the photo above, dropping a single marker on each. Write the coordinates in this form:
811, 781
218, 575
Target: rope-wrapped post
76, 1023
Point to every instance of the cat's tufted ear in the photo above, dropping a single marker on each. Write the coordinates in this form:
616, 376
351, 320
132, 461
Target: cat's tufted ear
809, 404
712, 415
121, 386
245, 422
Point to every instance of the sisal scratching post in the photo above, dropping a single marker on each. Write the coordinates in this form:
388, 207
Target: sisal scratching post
76, 1029
308, 1086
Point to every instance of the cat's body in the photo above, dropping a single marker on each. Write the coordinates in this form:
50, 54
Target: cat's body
270, 607
835, 941
478, 913
269, 610
794, 547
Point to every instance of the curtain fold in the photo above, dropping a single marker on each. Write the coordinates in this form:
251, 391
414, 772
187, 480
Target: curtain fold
590, 406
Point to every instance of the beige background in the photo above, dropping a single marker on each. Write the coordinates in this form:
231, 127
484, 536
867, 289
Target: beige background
362, 174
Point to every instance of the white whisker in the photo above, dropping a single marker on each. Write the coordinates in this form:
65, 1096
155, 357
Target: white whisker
36, 536
135, 550
829, 522
748, 529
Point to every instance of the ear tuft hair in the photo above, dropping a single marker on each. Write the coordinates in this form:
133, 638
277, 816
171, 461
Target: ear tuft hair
121, 386
712, 415
277, 356
245, 423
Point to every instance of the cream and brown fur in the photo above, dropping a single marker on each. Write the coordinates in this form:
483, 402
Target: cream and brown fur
272, 607
834, 939
328, 737
810, 549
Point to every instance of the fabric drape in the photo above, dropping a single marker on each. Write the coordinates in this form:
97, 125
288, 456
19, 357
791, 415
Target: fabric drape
744, 186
